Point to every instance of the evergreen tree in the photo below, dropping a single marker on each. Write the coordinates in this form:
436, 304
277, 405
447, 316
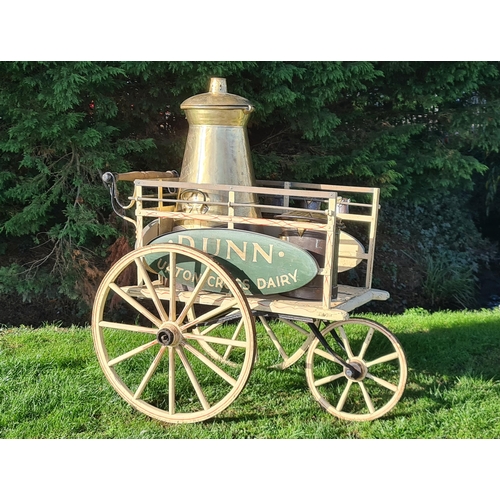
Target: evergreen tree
59, 131
417, 130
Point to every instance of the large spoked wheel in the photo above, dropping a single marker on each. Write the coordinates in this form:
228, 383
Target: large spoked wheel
377, 356
175, 352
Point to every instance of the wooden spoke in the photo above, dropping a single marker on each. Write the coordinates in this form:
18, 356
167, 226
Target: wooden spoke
330, 378
381, 381
234, 337
366, 343
327, 356
216, 340
138, 307
171, 381
293, 351
152, 291
383, 359
194, 295
347, 346
343, 397
214, 313
210, 356
149, 373
211, 365
206, 330
194, 380
126, 327
368, 400
131, 353
206, 347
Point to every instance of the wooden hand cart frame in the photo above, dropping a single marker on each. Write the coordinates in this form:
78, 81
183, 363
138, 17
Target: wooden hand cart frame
188, 351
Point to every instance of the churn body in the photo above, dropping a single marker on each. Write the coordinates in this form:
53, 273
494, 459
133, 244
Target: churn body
217, 152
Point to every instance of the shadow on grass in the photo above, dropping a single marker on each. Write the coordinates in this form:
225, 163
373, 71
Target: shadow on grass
451, 352
438, 356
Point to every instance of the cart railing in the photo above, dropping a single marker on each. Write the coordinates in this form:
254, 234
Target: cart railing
157, 199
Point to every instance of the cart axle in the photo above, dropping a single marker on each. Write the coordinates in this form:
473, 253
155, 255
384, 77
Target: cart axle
165, 337
169, 335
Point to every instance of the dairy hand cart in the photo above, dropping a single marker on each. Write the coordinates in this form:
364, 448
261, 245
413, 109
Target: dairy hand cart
174, 320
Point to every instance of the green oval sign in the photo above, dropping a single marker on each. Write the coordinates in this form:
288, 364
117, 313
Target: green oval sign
261, 264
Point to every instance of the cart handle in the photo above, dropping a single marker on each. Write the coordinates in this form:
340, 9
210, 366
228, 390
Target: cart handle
111, 179
132, 176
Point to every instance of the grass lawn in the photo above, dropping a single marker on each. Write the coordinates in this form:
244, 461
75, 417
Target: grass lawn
58, 414
51, 386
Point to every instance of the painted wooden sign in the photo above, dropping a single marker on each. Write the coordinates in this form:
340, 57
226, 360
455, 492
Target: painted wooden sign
260, 264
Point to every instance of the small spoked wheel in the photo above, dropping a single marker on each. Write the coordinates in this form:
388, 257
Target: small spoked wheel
167, 343
374, 380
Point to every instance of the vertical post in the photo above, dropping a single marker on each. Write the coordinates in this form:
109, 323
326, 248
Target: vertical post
230, 209
138, 216
286, 198
372, 236
139, 225
329, 252
160, 197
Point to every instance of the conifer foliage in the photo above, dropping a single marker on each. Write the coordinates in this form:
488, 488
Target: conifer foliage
417, 130
59, 132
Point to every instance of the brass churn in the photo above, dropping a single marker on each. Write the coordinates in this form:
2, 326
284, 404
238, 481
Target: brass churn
217, 152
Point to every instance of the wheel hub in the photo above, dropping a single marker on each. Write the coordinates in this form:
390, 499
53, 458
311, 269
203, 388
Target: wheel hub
358, 365
169, 335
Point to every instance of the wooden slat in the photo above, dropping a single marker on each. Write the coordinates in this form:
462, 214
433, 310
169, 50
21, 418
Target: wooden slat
224, 219
326, 187
239, 189
132, 176
348, 299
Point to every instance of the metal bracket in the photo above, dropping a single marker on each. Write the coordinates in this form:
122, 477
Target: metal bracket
351, 371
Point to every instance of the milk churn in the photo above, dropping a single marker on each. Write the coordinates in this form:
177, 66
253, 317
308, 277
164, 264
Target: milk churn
217, 152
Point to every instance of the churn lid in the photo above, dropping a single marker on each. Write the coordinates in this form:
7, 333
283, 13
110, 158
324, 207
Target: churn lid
217, 98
